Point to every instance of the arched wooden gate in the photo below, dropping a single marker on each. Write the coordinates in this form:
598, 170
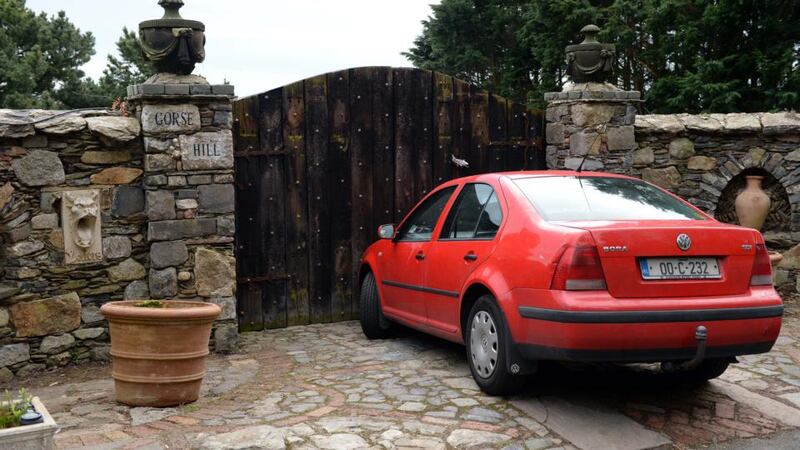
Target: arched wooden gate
322, 162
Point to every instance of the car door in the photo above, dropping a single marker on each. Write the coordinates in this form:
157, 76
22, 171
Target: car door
466, 240
404, 260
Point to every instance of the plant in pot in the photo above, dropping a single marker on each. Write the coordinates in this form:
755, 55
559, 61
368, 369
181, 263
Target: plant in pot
159, 350
25, 423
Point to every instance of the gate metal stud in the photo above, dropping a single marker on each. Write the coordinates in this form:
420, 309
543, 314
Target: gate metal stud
318, 197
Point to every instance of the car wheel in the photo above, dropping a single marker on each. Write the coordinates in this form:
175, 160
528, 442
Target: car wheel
486, 349
373, 322
707, 370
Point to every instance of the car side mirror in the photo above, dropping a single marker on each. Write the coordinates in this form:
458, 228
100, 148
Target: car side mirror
386, 231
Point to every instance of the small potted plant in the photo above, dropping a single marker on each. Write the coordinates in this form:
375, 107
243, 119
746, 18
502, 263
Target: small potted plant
25, 423
159, 350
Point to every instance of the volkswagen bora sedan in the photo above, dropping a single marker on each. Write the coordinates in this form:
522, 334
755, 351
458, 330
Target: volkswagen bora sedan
530, 266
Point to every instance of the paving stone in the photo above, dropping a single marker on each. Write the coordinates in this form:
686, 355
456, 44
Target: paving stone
261, 437
474, 438
591, 427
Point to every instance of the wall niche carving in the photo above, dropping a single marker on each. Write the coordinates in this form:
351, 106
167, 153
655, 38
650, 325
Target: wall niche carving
779, 217
80, 218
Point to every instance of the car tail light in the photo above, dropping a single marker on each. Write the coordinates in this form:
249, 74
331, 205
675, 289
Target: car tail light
762, 269
579, 269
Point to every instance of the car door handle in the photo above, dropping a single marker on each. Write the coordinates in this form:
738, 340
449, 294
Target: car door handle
420, 256
470, 257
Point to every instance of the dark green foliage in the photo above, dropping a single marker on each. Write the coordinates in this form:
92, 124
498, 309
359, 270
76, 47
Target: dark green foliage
129, 68
41, 56
685, 55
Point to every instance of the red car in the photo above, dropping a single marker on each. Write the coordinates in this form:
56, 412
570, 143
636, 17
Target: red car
571, 266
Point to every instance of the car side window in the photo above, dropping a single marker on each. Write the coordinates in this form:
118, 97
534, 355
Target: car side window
476, 214
420, 225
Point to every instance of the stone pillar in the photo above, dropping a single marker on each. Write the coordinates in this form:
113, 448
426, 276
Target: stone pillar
189, 193
592, 121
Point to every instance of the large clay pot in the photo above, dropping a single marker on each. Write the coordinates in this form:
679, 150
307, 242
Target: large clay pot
752, 204
159, 353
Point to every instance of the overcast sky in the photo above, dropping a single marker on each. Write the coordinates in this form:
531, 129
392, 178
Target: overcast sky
258, 45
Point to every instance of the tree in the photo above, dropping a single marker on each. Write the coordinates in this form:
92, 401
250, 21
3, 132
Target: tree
39, 56
129, 68
684, 55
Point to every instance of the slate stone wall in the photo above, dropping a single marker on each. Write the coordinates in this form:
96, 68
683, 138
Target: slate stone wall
703, 158
49, 311
164, 175
189, 193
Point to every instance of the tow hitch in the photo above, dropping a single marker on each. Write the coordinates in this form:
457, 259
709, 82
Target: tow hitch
700, 335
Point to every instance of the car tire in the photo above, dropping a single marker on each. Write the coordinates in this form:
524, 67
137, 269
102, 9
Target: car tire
373, 323
494, 378
707, 370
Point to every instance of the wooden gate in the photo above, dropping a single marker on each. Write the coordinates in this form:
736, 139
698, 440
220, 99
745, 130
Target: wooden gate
322, 162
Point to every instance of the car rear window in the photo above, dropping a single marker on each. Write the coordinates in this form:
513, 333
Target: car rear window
564, 199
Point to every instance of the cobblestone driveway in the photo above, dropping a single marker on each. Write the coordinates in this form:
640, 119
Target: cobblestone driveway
326, 386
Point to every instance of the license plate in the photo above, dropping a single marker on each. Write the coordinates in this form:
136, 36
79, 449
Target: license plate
679, 268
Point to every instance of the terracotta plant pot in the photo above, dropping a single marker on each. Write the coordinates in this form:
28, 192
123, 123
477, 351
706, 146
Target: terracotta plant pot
752, 204
159, 353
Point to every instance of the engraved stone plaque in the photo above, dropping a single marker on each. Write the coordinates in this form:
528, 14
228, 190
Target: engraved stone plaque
201, 151
80, 217
170, 118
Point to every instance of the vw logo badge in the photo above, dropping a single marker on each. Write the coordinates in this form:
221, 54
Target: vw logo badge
684, 242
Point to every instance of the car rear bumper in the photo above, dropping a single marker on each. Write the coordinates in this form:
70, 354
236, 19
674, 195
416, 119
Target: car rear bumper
592, 326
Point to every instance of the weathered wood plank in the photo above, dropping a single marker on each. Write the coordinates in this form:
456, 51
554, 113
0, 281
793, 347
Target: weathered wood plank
404, 158
341, 207
442, 127
479, 119
422, 127
246, 140
297, 309
271, 225
516, 133
383, 144
498, 116
462, 133
536, 155
319, 196
361, 160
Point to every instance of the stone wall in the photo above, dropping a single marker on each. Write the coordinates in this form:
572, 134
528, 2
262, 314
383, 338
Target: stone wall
189, 193
49, 311
703, 158
96, 207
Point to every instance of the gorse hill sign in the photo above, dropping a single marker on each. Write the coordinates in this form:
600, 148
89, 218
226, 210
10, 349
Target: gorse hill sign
170, 118
207, 151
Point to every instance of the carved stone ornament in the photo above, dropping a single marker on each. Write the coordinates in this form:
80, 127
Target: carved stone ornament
590, 61
172, 43
80, 216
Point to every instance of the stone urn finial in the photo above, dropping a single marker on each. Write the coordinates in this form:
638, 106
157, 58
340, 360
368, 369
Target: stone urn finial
590, 61
172, 43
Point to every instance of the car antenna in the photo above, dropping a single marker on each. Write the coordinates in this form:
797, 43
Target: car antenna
580, 166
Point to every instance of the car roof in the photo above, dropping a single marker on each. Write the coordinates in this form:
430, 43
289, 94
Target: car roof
515, 175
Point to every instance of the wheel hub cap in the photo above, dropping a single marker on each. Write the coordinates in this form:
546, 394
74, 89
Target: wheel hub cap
483, 344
